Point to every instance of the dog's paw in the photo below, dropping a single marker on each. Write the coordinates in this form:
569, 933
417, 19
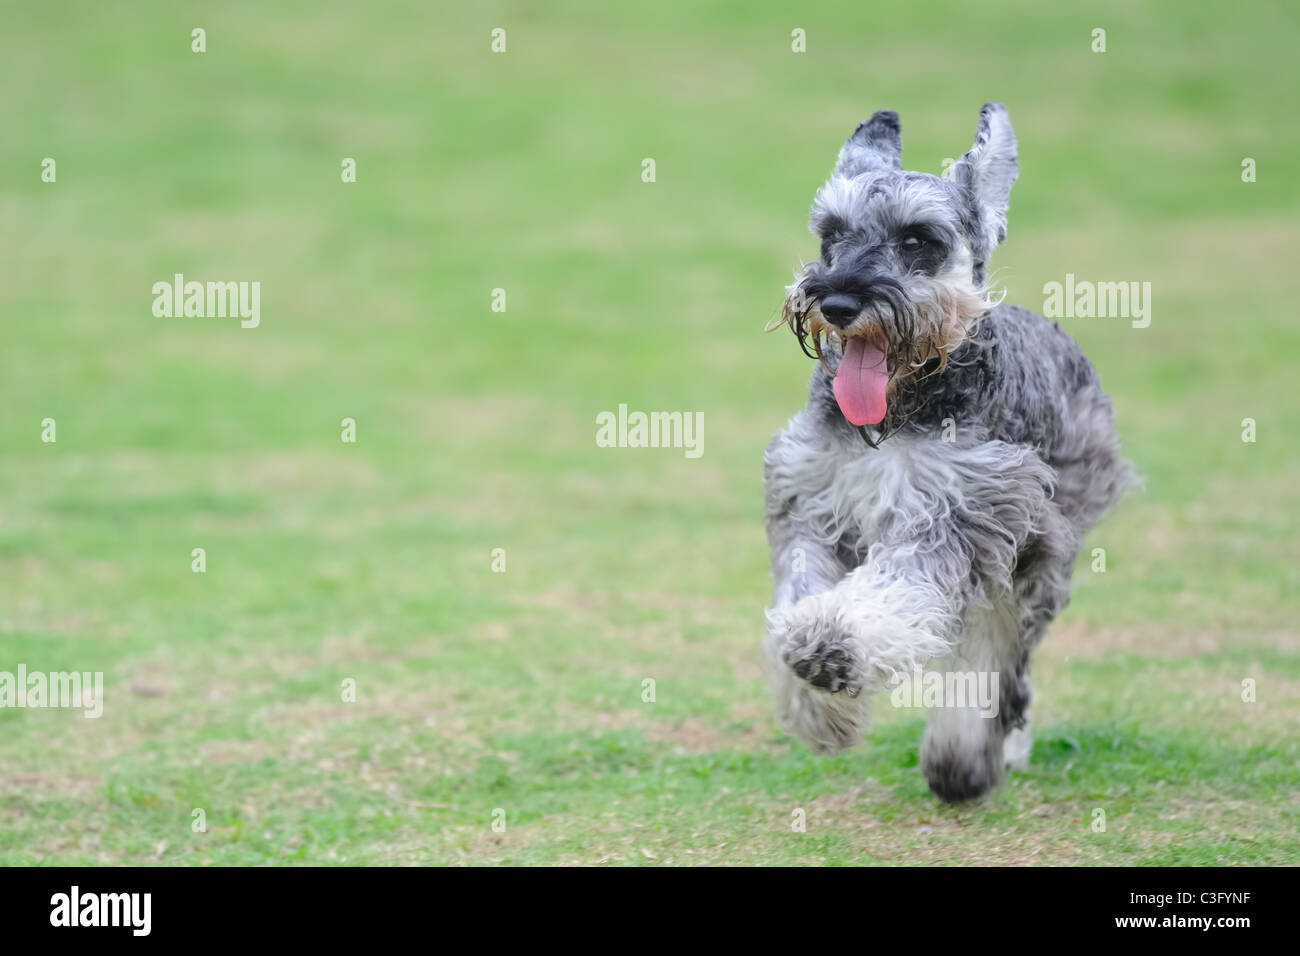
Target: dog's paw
1017, 746
827, 665
818, 649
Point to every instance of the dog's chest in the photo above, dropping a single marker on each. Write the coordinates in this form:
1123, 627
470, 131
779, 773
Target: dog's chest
862, 489
845, 491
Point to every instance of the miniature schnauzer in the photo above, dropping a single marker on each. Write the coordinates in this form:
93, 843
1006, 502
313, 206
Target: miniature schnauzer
929, 503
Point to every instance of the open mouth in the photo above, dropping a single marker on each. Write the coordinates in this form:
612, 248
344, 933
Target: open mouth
862, 379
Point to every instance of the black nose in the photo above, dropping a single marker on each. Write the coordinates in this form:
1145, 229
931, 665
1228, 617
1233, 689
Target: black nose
840, 309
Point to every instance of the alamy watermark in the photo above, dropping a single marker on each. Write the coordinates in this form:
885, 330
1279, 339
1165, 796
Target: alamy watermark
947, 689
651, 430
75, 908
71, 689
1083, 299
213, 300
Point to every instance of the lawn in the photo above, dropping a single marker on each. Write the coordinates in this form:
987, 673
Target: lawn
495, 588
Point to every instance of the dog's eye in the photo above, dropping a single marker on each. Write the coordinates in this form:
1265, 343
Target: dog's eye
911, 244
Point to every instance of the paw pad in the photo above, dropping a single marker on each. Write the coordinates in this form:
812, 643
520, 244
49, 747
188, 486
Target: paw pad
829, 667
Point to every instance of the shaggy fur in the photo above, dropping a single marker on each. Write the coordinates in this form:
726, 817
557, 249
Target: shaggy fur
945, 535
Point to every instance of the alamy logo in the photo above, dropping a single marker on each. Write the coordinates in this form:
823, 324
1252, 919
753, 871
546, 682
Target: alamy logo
1083, 299
75, 689
961, 689
134, 910
652, 430
213, 300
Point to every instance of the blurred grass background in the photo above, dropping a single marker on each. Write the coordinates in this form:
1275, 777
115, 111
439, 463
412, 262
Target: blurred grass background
522, 171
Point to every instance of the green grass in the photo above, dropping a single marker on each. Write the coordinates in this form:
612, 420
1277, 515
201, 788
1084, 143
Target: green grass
522, 691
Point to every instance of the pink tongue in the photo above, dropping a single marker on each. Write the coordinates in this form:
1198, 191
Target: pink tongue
860, 382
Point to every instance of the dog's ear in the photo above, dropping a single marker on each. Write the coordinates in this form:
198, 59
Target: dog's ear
876, 144
987, 174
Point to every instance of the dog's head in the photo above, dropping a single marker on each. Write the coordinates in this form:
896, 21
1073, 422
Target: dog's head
904, 258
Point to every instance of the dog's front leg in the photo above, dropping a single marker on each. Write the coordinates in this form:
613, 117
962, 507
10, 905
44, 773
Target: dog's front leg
802, 562
900, 609
944, 542
804, 565
892, 615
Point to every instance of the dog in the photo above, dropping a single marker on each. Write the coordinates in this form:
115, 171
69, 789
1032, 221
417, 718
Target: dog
928, 504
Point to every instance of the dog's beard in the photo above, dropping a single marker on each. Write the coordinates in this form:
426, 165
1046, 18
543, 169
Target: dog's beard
903, 327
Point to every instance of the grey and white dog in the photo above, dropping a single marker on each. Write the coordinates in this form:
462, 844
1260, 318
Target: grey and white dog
926, 508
